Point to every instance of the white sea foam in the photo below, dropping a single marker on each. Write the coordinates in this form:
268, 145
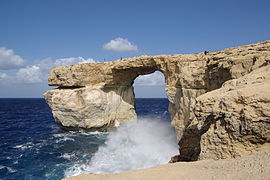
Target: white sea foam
30, 145
94, 132
76, 133
135, 145
16, 162
69, 134
65, 138
11, 170
24, 146
68, 156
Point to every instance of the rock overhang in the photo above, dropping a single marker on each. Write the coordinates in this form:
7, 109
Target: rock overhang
187, 77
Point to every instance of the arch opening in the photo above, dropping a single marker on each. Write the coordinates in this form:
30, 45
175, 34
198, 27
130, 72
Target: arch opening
150, 96
151, 105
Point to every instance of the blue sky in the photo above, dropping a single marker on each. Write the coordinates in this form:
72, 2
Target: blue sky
39, 33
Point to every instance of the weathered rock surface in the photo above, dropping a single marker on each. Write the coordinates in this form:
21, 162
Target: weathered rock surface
232, 120
92, 107
187, 77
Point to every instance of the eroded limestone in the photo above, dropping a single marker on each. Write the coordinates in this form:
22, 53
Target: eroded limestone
92, 107
187, 76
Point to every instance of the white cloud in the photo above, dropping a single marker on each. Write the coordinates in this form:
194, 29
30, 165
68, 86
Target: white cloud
32, 74
120, 45
38, 73
5, 79
9, 60
3, 75
72, 60
154, 79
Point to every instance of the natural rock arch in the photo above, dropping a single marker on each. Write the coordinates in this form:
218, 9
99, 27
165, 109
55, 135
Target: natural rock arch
100, 95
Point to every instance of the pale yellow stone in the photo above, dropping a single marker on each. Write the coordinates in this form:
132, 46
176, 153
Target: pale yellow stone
101, 95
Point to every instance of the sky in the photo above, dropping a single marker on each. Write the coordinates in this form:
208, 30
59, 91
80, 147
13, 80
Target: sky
37, 35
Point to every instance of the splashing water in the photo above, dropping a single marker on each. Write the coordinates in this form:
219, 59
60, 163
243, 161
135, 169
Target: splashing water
28, 133
142, 144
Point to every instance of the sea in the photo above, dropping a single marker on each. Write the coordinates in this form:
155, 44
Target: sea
34, 147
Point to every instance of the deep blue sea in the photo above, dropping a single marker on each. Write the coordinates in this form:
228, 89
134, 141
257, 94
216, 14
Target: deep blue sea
33, 146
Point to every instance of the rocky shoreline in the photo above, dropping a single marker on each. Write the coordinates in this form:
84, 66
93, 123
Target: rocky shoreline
219, 102
249, 167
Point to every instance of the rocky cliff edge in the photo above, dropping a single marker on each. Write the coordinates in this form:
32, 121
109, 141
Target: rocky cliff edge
219, 101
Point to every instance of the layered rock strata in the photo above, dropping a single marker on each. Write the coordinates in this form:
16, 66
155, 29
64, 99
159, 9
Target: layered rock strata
188, 76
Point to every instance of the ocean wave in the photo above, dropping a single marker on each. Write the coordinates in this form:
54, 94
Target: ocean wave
27, 145
94, 133
16, 162
134, 145
11, 170
68, 156
72, 134
31, 145
69, 134
64, 139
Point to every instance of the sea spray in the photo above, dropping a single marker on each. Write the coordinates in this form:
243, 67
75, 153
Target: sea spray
135, 145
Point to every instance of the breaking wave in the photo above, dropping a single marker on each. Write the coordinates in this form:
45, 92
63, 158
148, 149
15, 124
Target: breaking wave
8, 168
142, 144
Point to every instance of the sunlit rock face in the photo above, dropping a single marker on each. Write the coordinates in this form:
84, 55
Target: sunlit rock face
93, 107
240, 114
79, 103
232, 120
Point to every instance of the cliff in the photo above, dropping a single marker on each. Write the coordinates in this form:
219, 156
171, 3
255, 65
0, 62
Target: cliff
232, 120
100, 95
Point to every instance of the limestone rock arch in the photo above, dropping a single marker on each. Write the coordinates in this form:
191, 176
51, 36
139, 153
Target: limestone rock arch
100, 95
